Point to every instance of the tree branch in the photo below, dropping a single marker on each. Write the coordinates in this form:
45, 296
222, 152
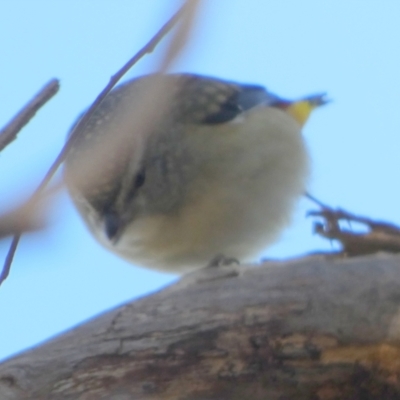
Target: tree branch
307, 329
11, 130
379, 235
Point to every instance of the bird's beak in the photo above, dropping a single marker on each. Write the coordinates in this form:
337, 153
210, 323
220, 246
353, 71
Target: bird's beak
112, 226
301, 109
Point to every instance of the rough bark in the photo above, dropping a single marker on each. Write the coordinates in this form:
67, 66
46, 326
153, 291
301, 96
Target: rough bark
313, 328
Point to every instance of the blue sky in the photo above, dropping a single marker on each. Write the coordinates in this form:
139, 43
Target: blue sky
347, 48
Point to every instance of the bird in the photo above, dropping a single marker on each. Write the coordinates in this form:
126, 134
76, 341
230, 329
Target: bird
173, 170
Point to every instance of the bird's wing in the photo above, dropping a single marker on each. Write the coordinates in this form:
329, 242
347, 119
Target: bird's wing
206, 100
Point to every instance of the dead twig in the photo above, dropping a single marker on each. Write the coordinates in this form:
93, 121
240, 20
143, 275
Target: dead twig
10, 131
380, 235
22, 219
26, 218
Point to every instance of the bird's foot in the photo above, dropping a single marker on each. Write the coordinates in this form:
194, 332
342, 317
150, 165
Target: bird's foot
213, 272
221, 261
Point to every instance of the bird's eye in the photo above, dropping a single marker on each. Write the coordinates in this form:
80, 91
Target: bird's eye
139, 179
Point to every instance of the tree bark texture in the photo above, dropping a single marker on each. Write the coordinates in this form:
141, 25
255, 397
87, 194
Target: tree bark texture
313, 328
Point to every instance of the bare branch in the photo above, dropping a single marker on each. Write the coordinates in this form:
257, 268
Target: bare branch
26, 218
9, 258
311, 328
10, 131
182, 34
319, 203
13, 223
22, 219
380, 235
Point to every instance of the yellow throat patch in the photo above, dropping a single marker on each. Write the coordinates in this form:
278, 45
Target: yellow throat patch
300, 110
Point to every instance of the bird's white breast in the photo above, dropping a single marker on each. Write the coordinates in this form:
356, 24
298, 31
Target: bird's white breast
257, 167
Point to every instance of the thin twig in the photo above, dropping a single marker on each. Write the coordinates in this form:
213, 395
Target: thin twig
23, 220
182, 33
9, 258
28, 216
315, 200
187, 8
10, 131
381, 235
